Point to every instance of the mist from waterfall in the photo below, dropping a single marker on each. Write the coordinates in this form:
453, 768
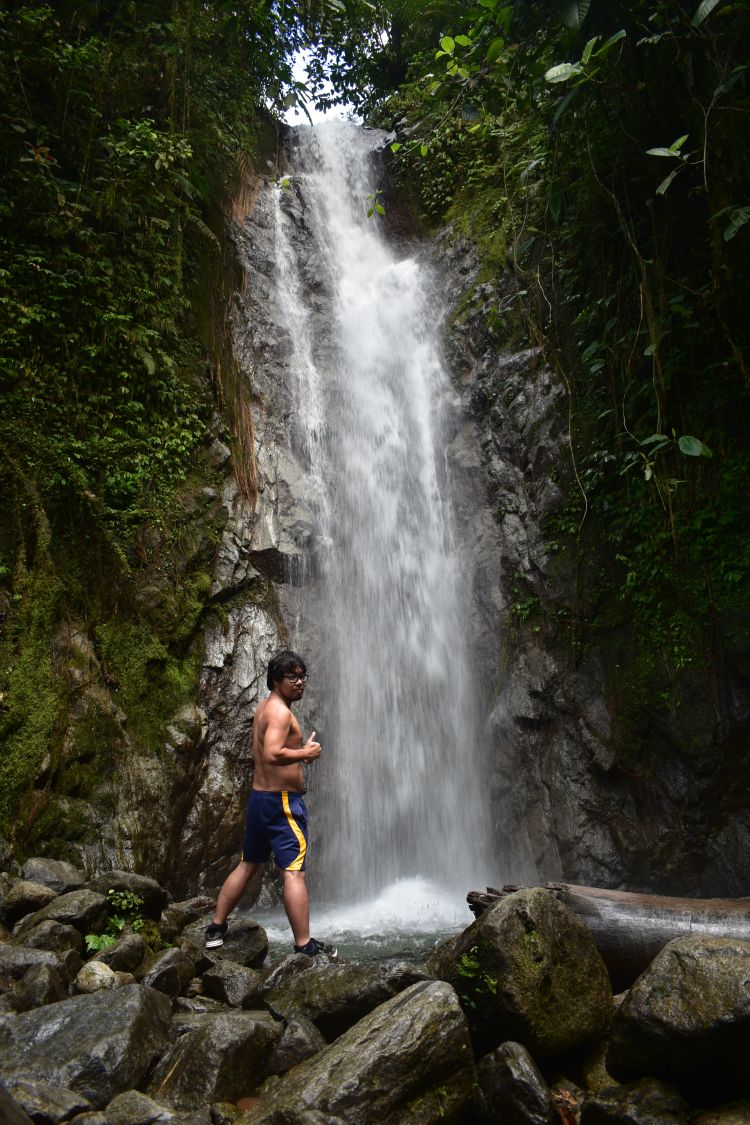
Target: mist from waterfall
400, 792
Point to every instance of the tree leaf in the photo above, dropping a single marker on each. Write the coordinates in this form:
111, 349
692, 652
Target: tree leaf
562, 72
740, 216
588, 49
693, 447
463, 40
660, 152
448, 44
704, 11
677, 145
574, 13
618, 35
494, 50
668, 180
395, 146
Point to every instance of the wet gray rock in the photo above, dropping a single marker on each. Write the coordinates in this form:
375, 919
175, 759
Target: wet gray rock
528, 970
648, 1102
83, 909
25, 898
733, 1113
245, 942
216, 1058
55, 873
287, 968
40, 985
301, 1040
334, 997
54, 936
408, 1061
180, 914
96, 1045
11, 1113
48, 1105
170, 972
126, 955
135, 1108
687, 1019
513, 1089
231, 983
155, 898
94, 1117
16, 961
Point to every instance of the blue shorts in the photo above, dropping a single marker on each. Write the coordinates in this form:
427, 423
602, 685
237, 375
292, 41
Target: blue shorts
276, 822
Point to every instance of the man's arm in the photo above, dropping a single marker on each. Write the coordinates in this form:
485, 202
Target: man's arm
275, 752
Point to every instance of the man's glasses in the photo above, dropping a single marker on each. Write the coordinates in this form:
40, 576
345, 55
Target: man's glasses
294, 678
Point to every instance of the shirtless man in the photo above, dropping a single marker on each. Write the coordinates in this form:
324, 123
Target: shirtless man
276, 815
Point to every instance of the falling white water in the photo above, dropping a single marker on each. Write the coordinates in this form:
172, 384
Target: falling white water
400, 792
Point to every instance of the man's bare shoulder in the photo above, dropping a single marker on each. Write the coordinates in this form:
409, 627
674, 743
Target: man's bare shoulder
273, 709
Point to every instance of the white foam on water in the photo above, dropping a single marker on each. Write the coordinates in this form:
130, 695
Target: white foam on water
410, 910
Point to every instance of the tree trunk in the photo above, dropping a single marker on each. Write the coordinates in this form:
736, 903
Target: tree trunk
630, 929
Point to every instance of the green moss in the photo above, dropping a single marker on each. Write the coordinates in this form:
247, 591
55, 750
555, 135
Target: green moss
150, 681
32, 694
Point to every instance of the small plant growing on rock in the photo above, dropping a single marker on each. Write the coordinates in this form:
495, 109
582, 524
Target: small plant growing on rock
482, 983
124, 909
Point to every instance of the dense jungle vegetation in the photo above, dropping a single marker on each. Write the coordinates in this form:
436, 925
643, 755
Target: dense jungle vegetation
599, 153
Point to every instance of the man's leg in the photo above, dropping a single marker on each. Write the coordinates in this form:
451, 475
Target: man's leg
233, 888
297, 905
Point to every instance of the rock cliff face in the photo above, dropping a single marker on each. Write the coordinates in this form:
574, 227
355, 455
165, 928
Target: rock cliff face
580, 805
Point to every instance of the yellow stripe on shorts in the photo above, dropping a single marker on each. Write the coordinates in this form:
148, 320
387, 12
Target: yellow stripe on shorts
297, 865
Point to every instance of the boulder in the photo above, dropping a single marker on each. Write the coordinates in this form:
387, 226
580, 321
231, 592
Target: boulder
83, 909
300, 1040
245, 942
54, 873
734, 1113
55, 936
40, 985
180, 914
48, 1105
648, 1102
135, 1108
527, 970
25, 898
95, 976
687, 1019
335, 997
15, 961
155, 898
513, 1089
96, 1045
92, 1117
126, 955
170, 972
231, 983
409, 1062
217, 1057
11, 1113
288, 967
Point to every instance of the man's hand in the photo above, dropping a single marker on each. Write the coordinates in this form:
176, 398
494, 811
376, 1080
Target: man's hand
311, 749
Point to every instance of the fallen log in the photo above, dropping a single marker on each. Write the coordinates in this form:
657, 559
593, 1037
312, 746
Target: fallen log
629, 929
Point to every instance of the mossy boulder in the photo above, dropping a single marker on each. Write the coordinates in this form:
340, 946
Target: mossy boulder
686, 1019
528, 970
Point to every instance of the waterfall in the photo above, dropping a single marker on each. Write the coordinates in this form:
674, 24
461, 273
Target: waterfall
401, 788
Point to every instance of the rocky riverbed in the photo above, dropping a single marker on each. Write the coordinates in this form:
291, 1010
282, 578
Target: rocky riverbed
511, 1021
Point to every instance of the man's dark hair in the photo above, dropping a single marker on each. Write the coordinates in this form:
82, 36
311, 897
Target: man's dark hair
280, 664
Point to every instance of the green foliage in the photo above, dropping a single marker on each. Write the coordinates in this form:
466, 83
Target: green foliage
124, 908
479, 984
554, 125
